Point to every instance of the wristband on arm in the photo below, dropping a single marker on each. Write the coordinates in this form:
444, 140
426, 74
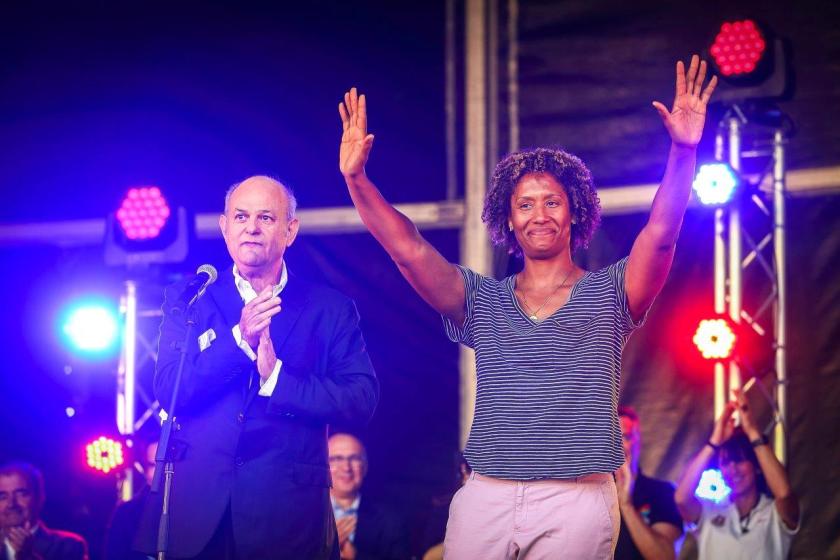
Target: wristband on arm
760, 440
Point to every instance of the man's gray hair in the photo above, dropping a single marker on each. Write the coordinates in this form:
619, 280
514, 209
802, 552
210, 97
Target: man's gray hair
290, 195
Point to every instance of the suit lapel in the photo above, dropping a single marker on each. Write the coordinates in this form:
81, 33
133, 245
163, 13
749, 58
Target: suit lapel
226, 297
293, 300
369, 525
229, 303
41, 541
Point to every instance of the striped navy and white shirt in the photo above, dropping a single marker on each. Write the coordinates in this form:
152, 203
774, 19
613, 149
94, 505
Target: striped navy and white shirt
547, 391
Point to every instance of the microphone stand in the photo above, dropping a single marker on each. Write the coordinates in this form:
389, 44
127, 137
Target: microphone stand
163, 457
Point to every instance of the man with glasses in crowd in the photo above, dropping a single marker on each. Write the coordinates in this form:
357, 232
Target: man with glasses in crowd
367, 529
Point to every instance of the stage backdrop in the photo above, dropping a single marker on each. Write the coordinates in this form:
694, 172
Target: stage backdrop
192, 97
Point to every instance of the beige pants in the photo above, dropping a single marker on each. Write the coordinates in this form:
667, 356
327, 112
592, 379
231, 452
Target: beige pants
492, 518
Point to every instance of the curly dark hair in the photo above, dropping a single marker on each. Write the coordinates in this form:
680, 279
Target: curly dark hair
569, 171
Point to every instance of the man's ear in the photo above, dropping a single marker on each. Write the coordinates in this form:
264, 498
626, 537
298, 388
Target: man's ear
222, 224
291, 233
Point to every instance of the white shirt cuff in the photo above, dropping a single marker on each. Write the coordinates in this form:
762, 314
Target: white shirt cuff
244, 346
267, 385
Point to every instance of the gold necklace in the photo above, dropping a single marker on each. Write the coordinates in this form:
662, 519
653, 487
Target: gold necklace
533, 316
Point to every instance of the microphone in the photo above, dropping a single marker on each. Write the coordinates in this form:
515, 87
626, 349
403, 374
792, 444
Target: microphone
204, 276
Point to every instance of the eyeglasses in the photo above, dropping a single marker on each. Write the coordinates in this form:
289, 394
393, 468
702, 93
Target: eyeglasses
17, 494
353, 460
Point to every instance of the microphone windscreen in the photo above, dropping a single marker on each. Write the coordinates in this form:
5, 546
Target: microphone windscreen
210, 270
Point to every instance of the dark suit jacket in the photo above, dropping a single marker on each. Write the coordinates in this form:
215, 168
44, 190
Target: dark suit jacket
125, 521
381, 532
50, 544
264, 458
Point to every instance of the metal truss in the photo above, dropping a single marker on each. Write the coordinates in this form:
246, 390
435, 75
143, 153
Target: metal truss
135, 373
749, 249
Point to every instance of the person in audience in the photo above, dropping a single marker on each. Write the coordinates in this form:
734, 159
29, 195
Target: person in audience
760, 516
650, 521
367, 528
25, 535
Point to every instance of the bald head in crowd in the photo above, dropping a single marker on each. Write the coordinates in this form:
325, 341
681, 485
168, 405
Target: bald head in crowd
348, 466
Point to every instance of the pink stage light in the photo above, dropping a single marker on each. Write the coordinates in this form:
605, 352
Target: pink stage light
143, 213
738, 48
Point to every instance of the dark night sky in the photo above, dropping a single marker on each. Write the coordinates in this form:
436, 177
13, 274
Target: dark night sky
192, 96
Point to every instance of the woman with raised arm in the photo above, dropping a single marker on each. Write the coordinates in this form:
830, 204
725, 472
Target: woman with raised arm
760, 516
545, 437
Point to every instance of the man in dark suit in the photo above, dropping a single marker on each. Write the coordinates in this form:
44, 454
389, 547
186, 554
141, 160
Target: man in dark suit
25, 537
259, 388
367, 529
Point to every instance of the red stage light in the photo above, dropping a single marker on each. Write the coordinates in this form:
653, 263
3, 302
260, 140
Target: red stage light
143, 213
738, 48
715, 339
105, 454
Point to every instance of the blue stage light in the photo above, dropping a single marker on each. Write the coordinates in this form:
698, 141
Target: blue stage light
715, 184
712, 486
91, 328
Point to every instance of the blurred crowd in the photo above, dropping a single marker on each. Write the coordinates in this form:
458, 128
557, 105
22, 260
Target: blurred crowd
758, 518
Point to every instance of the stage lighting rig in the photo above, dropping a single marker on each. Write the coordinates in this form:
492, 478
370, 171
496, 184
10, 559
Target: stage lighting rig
105, 455
739, 48
712, 486
91, 328
716, 184
143, 213
146, 230
715, 339
751, 62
